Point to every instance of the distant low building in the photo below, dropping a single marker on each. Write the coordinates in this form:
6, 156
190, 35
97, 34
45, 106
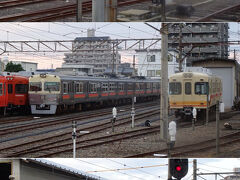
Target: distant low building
149, 62
124, 69
27, 66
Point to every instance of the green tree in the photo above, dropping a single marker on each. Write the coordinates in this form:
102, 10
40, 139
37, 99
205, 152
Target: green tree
10, 67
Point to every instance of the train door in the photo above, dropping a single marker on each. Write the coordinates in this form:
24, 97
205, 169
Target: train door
187, 93
3, 95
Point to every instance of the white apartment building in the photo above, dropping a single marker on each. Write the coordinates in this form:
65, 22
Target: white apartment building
149, 62
91, 54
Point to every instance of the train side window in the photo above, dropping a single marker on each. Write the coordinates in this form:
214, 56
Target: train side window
175, 88
93, 87
10, 88
130, 86
188, 88
21, 89
137, 86
121, 86
65, 88
155, 86
1, 89
148, 86
79, 87
201, 88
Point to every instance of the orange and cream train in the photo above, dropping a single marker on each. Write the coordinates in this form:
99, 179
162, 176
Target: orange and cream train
188, 90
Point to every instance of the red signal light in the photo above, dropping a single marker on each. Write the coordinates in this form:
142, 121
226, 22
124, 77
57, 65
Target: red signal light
178, 168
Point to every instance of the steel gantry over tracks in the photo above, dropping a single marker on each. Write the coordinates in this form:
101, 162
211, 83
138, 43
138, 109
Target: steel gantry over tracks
67, 45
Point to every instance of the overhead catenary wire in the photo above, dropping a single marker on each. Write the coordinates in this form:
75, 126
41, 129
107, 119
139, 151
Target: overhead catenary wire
133, 167
108, 168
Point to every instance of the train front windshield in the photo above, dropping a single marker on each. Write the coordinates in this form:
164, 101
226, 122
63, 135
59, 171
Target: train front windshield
51, 86
201, 88
175, 88
35, 86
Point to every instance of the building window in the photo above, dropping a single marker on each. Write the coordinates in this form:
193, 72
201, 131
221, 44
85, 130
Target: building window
151, 73
104, 87
151, 58
158, 72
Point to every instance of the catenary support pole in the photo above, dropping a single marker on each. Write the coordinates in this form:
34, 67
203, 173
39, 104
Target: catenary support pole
194, 169
169, 172
79, 10
164, 84
163, 18
217, 128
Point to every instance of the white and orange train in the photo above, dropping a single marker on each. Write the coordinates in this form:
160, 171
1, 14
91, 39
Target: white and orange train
49, 94
188, 90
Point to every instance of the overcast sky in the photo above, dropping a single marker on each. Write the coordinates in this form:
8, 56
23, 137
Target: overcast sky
158, 172
69, 31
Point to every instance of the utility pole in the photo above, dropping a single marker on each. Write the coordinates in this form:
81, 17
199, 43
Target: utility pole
194, 169
111, 9
79, 10
134, 64
180, 60
217, 128
116, 59
164, 83
234, 53
113, 59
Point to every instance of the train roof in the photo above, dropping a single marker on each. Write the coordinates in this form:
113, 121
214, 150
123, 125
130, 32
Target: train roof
16, 77
103, 79
3, 78
193, 74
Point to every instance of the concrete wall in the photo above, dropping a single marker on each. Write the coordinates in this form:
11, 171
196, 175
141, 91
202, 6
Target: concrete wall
227, 71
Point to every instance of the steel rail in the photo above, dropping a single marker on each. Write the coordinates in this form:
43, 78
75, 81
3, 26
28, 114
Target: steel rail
222, 11
59, 12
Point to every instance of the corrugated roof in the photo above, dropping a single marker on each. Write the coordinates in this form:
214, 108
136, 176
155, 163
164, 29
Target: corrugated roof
64, 168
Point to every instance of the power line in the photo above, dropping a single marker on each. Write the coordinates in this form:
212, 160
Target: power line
108, 168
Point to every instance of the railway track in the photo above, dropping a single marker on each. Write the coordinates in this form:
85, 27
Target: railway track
199, 147
52, 121
210, 11
54, 13
17, 3
231, 13
52, 143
